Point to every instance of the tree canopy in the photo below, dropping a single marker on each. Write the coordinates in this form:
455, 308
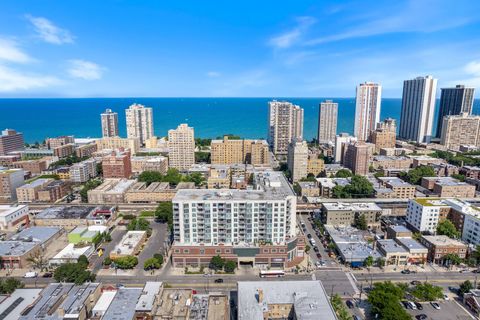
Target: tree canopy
343, 173
427, 292
385, 301
448, 229
173, 177
73, 272
8, 285
359, 187
415, 176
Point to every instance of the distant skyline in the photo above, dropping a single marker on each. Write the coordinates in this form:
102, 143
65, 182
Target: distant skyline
242, 49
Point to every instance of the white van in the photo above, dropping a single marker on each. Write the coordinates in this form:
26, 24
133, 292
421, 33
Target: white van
312, 242
31, 274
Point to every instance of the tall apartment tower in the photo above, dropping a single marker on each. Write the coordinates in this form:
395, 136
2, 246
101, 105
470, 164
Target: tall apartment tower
181, 146
358, 156
285, 123
327, 121
139, 122
454, 101
10, 140
109, 123
298, 159
418, 109
367, 109
341, 141
385, 135
463, 129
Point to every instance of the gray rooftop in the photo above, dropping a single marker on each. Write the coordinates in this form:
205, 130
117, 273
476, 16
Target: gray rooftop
400, 229
391, 246
309, 299
49, 297
24, 297
123, 304
411, 244
270, 185
36, 234
146, 300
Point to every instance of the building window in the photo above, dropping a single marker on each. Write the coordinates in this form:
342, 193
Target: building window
186, 251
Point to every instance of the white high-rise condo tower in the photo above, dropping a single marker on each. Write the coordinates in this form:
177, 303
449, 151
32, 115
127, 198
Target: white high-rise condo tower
418, 109
109, 123
139, 122
367, 109
327, 121
285, 123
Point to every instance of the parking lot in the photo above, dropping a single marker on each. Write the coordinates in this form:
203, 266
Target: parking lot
449, 310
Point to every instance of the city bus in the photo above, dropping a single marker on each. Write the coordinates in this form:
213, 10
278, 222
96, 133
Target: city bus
272, 273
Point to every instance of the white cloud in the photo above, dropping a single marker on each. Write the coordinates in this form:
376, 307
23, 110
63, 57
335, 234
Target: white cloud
213, 74
472, 69
289, 38
9, 51
14, 80
85, 70
49, 32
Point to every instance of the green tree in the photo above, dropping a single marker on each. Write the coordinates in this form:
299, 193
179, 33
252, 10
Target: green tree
297, 189
427, 292
83, 260
173, 177
465, 287
340, 308
89, 185
107, 261
415, 176
151, 264
38, 260
368, 262
381, 262
73, 272
359, 187
230, 266
139, 224
159, 258
164, 213
217, 263
459, 177
99, 169
202, 156
385, 301
8, 285
343, 173
150, 176
307, 248
361, 222
447, 228
196, 178
452, 259
127, 262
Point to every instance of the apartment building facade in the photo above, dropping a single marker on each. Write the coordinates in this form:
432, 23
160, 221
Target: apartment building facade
181, 146
285, 123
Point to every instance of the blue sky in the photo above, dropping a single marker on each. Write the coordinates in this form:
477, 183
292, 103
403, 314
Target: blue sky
233, 48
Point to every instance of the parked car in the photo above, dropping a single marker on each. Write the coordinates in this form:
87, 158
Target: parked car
350, 304
412, 305
415, 282
406, 271
355, 317
309, 236
419, 305
316, 249
453, 289
422, 316
218, 280
435, 305
47, 275
319, 256
445, 297
31, 274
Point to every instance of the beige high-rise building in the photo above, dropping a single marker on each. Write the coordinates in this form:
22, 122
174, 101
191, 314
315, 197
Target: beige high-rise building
459, 130
181, 145
367, 110
358, 157
315, 165
114, 143
228, 151
10, 180
139, 122
327, 121
385, 135
298, 159
109, 123
285, 123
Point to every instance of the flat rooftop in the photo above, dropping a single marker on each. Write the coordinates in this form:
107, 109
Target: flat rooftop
174, 304
147, 298
270, 185
13, 304
308, 299
123, 304
36, 234
153, 187
36, 183
65, 212
307, 185
391, 246
6, 210
358, 206
218, 307
430, 202
402, 229
395, 182
411, 244
443, 241
128, 243
326, 182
